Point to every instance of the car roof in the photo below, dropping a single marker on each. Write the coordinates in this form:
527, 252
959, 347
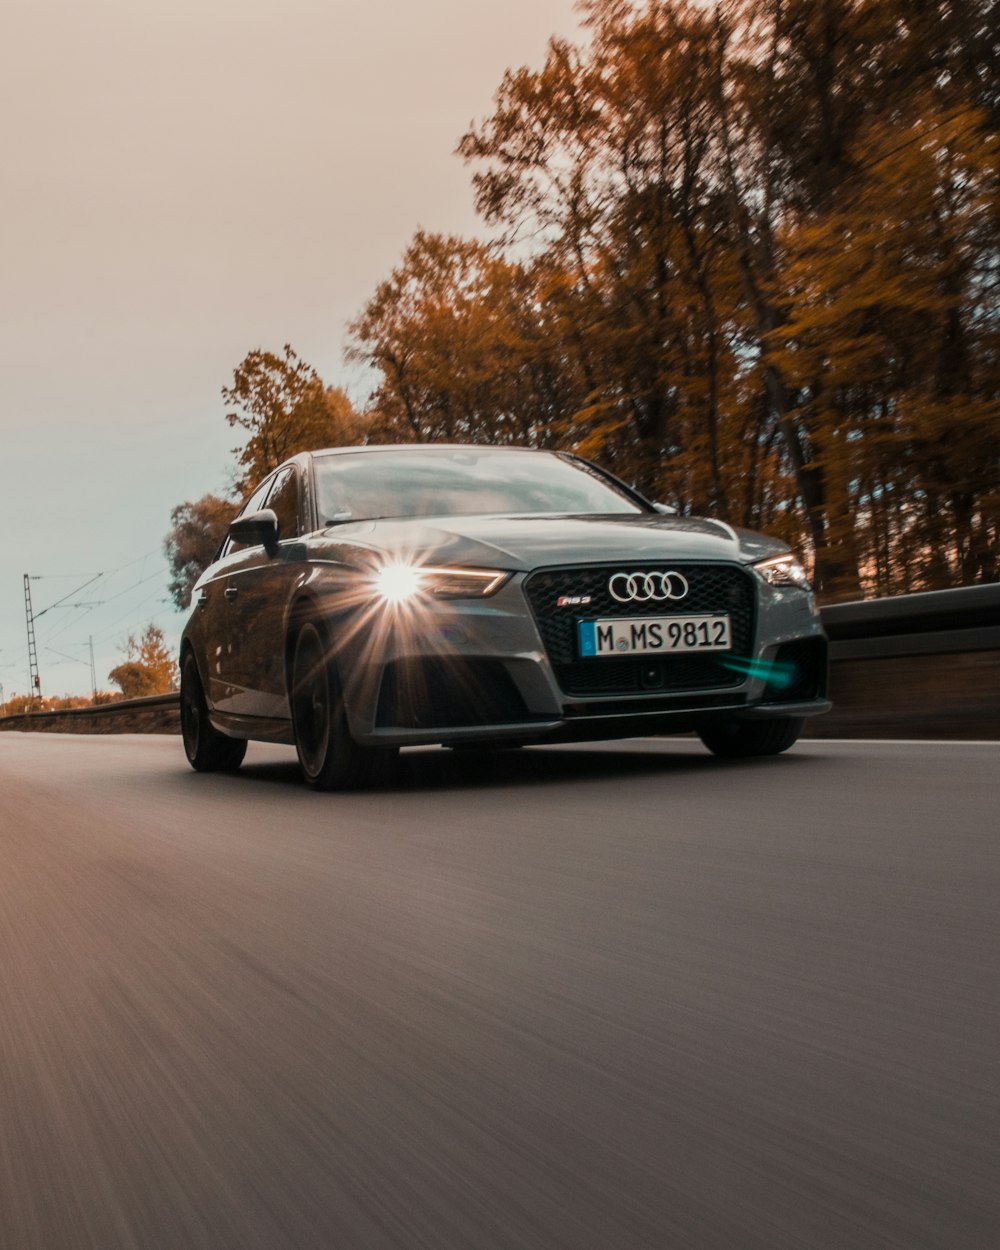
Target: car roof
422, 447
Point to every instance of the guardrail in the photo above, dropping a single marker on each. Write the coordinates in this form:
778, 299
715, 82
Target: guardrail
933, 623
158, 713
915, 666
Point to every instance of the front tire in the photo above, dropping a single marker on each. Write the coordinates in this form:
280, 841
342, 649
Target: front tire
329, 757
743, 739
207, 750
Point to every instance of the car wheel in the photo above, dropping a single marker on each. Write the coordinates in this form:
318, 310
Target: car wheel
329, 757
740, 739
208, 751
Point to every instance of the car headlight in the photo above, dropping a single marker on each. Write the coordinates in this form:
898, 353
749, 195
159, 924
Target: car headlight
398, 583
783, 571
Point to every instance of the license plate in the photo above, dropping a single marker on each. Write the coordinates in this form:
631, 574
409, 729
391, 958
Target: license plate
660, 634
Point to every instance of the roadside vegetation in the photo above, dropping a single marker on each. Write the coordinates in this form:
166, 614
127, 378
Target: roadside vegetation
147, 668
744, 254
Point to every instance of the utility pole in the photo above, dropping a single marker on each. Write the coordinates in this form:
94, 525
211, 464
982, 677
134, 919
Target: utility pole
33, 677
93, 674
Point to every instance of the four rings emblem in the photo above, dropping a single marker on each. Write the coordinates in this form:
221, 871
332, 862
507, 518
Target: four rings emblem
647, 587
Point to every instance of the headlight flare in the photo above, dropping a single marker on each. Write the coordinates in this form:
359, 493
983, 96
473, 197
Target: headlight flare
396, 583
400, 582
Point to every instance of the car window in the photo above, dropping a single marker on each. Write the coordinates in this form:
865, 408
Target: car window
253, 504
283, 501
256, 500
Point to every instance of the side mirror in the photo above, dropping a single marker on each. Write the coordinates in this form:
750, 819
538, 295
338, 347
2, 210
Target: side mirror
665, 509
257, 529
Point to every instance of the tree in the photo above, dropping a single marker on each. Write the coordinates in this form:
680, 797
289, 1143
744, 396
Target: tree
196, 533
284, 407
461, 338
610, 156
745, 253
149, 668
19, 704
886, 339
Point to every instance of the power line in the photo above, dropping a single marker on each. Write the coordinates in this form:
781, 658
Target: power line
116, 627
87, 583
75, 659
93, 603
70, 603
70, 620
140, 582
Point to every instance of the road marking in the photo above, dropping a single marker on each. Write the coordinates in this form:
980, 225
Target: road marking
896, 742
908, 742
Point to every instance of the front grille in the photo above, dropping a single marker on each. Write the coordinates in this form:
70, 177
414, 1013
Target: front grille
712, 588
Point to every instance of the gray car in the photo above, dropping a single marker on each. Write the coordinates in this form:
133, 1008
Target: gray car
373, 598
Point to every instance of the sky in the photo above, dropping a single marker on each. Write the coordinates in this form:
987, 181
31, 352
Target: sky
181, 183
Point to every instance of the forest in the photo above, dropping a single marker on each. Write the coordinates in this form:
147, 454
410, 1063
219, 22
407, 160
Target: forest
744, 254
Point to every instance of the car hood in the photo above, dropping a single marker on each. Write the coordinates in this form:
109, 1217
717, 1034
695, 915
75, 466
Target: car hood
520, 543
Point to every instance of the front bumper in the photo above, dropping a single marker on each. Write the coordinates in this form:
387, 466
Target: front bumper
466, 671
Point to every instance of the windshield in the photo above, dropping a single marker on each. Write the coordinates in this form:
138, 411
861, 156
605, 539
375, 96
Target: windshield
418, 482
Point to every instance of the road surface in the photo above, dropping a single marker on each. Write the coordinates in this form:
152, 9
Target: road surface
608, 997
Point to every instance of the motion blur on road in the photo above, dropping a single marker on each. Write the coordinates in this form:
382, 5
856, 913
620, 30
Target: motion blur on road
614, 996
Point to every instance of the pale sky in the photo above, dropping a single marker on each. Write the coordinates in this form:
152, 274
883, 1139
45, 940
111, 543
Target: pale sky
181, 183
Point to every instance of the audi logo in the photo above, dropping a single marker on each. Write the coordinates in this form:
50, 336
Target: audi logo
647, 587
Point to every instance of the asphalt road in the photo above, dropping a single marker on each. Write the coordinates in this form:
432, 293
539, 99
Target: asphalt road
609, 997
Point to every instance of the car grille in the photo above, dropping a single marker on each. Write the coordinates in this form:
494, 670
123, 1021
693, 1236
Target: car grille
713, 588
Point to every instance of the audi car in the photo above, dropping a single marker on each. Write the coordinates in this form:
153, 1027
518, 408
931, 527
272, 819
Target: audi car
373, 598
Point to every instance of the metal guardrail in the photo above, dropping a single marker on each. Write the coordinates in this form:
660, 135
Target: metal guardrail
100, 710
934, 622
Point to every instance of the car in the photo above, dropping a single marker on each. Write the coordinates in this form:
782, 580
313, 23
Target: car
378, 597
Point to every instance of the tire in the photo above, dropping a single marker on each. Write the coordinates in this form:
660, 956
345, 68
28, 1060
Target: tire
329, 757
742, 739
207, 750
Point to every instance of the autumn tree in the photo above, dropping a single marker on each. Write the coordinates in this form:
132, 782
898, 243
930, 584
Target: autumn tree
603, 153
747, 255
861, 176
148, 667
461, 339
20, 704
895, 362
284, 407
196, 533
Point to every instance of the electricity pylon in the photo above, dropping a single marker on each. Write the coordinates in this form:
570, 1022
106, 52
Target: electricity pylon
33, 677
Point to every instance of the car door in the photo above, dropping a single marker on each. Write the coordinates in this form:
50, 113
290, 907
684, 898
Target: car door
258, 588
215, 616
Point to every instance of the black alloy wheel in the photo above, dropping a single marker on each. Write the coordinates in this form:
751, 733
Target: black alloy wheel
743, 739
207, 750
329, 757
